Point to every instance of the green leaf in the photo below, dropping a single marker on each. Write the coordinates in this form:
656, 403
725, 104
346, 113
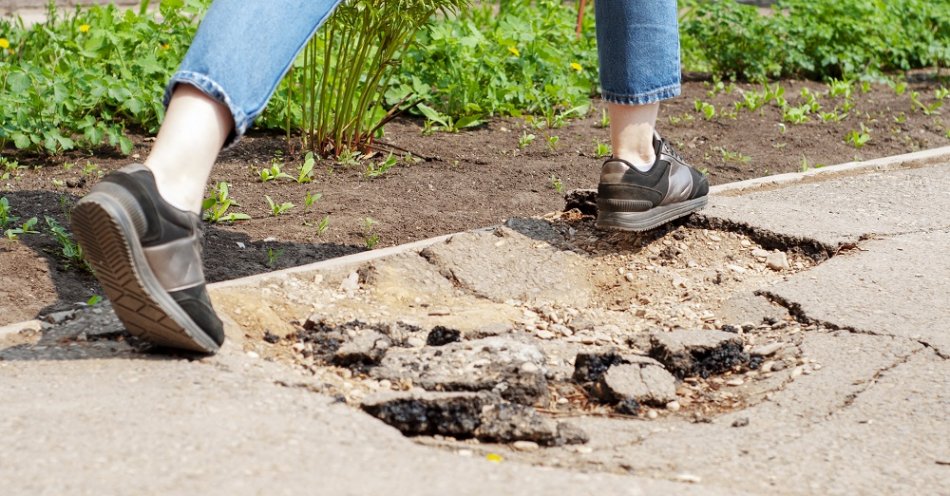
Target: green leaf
18, 82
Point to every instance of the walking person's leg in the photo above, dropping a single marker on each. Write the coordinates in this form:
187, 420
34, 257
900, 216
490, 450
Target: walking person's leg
645, 183
139, 226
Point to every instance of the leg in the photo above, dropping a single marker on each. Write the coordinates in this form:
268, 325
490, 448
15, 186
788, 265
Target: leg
139, 227
645, 184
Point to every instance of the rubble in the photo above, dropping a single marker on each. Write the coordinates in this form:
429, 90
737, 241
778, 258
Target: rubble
702, 353
491, 364
644, 383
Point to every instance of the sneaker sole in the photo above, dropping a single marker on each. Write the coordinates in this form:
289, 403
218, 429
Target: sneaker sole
644, 221
104, 228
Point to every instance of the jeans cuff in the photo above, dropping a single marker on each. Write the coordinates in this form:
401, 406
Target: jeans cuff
664, 93
214, 91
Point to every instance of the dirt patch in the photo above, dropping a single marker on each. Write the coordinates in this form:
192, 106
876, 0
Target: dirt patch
471, 179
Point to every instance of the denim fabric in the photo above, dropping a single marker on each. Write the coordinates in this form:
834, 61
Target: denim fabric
638, 46
244, 47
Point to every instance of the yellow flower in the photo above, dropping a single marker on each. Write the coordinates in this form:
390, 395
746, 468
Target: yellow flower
4, 43
514, 51
577, 67
84, 28
493, 457
165, 46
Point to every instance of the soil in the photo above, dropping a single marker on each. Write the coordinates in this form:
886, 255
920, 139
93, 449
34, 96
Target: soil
466, 180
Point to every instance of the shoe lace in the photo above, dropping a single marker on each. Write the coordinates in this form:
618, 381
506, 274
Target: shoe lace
667, 149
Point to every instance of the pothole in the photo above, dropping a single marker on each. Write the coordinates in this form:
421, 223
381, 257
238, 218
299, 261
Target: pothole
459, 345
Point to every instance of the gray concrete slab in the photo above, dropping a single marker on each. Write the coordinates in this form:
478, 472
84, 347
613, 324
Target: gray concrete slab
226, 426
842, 210
898, 286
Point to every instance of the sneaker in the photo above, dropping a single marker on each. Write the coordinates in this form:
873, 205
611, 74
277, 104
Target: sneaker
147, 256
631, 200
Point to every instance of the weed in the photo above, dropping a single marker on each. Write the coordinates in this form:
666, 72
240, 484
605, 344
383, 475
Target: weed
93, 300
900, 118
273, 256
942, 93
927, 109
734, 157
374, 171
707, 109
525, 140
216, 206
858, 139
28, 227
900, 88
796, 115
71, 251
601, 150
323, 225
310, 199
833, 116
277, 209
444, 122
840, 88
306, 170
557, 184
676, 120
370, 237
604, 119
273, 172
7, 219
348, 157
553, 141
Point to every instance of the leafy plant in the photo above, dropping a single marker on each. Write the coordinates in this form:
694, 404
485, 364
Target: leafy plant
601, 149
273, 172
444, 122
6, 218
604, 119
273, 256
858, 139
70, 250
707, 109
525, 140
93, 300
306, 170
370, 237
346, 69
216, 206
553, 140
734, 157
926, 108
557, 184
28, 227
310, 199
374, 170
323, 225
277, 209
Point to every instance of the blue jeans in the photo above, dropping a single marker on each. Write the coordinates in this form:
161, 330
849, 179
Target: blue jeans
243, 48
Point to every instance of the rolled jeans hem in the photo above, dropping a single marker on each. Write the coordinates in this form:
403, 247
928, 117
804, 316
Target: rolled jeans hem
664, 93
216, 92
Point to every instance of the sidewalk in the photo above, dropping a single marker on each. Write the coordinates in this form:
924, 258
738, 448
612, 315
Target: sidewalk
834, 284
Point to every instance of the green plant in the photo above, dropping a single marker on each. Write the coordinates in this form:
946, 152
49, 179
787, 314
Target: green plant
927, 109
306, 170
796, 115
6, 218
28, 227
273, 256
734, 157
374, 170
857, 138
216, 206
276, 209
557, 184
446, 122
525, 140
348, 157
273, 172
370, 237
900, 87
601, 149
346, 69
310, 199
707, 109
553, 141
323, 225
604, 119
93, 300
70, 251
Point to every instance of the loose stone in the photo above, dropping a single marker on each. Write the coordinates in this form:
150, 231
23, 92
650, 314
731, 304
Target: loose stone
777, 261
525, 446
673, 406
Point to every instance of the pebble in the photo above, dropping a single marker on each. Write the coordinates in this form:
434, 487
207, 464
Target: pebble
713, 237
464, 452
651, 414
745, 243
298, 347
777, 261
529, 368
736, 269
673, 406
760, 253
630, 277
689, 478
584, 450
735, 382
253, 354
543, 334
767, 349
525, 446
439, 312
767, 366
416, 342
797, 371
385, 384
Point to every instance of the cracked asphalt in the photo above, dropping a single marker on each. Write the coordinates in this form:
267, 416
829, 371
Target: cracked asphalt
866, 412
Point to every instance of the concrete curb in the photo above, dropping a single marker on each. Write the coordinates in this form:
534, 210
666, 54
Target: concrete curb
15, 328
907, 160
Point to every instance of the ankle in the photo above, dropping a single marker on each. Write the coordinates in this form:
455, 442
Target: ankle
641, 160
